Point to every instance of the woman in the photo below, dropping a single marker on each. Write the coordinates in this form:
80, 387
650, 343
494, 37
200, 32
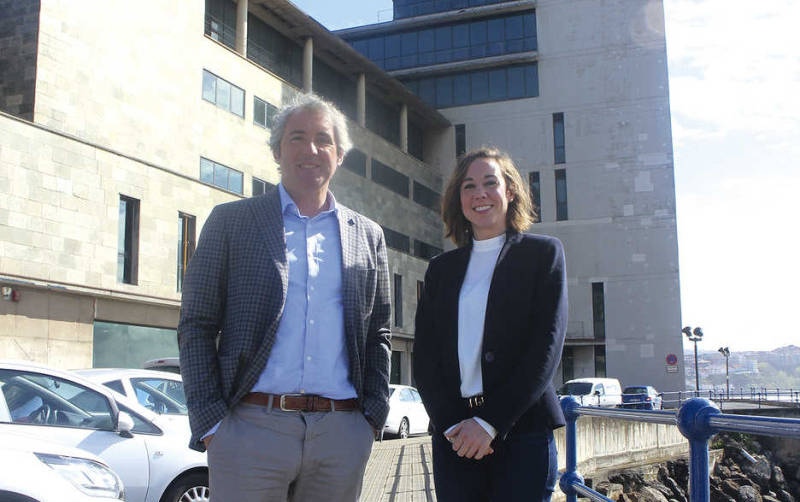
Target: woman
489, 332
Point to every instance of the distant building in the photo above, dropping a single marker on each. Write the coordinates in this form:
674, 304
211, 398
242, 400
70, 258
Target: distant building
123, 125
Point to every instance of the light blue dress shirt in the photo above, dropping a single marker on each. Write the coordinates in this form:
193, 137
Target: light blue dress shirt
310, 355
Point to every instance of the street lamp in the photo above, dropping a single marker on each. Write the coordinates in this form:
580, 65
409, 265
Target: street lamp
725, 351
694, 336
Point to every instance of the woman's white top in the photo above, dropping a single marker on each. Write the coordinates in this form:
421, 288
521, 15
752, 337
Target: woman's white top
472, 313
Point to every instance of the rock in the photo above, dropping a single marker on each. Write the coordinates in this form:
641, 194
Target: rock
666, 492
648, 494
785, 496
778, 480
730, 487
767, 498
759, 471
677, 491
624, 498
718, 496
722, 471
679, 471
749, 494
630, 480
610, 490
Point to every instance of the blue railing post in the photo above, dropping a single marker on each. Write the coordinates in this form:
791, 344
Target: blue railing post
693, 422
570, 405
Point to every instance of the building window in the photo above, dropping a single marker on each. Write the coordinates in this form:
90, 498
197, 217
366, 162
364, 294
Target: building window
220, 175
186, 241
386, 176
396, 240
383, 119
420, 290
223, 94
335, 87
559, 150
394, 376
128, 240
561, 195
424, 196
271, 50
127, 346
356, 161
568, 364
599, 310
263, 112
260, 187
416, 141
536, 195
398, 300
461, 140
478, 86
221, 21
445, 43
425, 251
600, 361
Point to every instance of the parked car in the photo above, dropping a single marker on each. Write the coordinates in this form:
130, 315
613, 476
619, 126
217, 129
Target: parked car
407, 415
642, 397
158, 391
63, 407
171, 364
35, 470
594, 391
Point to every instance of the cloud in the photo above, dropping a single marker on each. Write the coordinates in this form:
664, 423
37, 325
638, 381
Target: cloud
734, 69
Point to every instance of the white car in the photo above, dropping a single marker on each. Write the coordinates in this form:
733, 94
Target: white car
63, 407
606, 392
35, 470
170, 364
407, 414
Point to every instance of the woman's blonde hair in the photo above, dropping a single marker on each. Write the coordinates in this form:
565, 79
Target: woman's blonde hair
520, 214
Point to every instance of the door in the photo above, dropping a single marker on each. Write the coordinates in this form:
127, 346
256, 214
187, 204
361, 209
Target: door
68, 413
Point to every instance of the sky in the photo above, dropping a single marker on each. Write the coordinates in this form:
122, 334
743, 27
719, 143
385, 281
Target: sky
734, 78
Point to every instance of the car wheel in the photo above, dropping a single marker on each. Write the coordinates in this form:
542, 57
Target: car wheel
402, 430
190, 488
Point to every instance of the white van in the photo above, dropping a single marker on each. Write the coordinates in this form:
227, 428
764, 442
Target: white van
594, 391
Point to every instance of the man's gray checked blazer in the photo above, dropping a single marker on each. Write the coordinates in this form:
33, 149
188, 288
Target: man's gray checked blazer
235, 287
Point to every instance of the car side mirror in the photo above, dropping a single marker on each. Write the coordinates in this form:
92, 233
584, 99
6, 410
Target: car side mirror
597, 393
124, 425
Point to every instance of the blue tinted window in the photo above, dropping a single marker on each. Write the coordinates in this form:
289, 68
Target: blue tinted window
409, 43
391, 64
530, 44
461, 90
362, 46
376, 48
477, 32
426, 41
514, 27
480, 86
444, 38
408, 61
529, 21
516, 82
532, 80
497, 84
427, 58
444, 91
392, 46
461, 35
427, 90
496, 30
513, 46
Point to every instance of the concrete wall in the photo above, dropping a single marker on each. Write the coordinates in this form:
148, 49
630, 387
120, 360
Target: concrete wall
19, 30
603, 64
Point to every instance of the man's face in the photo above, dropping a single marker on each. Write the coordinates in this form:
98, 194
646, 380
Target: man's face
309, 155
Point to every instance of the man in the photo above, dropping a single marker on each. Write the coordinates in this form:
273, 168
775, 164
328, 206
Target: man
284, 330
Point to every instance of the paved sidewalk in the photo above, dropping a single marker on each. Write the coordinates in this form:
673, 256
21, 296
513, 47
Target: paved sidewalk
399, 471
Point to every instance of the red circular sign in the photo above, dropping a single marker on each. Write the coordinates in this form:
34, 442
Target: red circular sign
672, 359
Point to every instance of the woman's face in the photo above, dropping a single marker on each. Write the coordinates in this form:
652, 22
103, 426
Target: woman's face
485, 198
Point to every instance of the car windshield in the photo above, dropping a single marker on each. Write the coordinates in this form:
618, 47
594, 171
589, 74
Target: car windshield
576, 389
635, 390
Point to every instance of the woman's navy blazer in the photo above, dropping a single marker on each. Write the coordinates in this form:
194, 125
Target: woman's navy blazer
523, 335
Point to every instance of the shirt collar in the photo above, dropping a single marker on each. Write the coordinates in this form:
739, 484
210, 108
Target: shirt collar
288, 205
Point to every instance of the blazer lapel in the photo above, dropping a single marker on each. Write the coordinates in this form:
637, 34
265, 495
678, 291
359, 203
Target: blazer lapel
269, 227
348, 234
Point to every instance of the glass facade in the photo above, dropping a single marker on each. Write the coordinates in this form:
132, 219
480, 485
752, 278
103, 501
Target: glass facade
334, 87
478, 86
263, 112
461, 41
416, 141
559, 146
271, 50
561, 195
221, 21
223, 94
411, 8
128, 346
128, 240
383, 119
599, 310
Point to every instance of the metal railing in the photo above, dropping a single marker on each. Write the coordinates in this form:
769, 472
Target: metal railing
697, 419
756, 395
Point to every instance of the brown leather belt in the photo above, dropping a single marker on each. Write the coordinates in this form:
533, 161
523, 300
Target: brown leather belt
301, 402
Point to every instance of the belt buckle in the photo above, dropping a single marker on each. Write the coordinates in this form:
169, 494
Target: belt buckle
475, 401
283, 401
